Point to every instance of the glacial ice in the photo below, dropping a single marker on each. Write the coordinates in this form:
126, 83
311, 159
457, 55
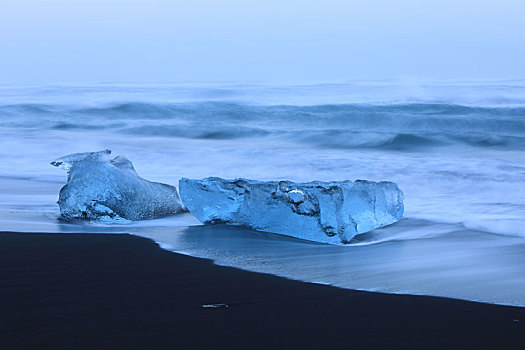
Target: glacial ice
326, 212
109, 190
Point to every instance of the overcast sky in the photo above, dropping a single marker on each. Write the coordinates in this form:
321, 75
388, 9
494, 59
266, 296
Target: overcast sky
82, 41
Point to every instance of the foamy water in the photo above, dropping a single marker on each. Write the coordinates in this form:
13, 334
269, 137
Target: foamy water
456, 149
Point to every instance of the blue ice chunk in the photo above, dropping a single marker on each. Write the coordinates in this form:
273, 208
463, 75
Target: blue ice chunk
326, 212
109, 190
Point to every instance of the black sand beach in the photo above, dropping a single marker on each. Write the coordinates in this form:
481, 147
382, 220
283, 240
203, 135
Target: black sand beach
123, 292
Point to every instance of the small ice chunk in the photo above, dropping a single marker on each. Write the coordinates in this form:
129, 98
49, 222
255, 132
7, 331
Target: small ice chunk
110, 190
215, 306
326, 212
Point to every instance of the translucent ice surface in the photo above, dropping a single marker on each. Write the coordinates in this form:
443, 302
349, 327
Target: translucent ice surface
326, 212
109, 190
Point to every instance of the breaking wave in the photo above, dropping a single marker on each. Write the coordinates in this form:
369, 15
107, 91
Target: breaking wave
399, 127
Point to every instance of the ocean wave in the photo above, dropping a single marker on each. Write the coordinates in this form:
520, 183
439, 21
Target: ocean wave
160, 109
195, 132
400, 127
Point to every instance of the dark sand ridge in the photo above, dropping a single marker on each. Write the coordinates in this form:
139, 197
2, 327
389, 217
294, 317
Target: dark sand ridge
124, 292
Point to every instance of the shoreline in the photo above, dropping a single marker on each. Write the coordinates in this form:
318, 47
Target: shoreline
124, 291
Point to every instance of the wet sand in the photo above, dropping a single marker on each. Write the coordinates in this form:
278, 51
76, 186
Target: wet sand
123, 292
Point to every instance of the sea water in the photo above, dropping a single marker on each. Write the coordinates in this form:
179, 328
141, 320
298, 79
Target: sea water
456, 149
